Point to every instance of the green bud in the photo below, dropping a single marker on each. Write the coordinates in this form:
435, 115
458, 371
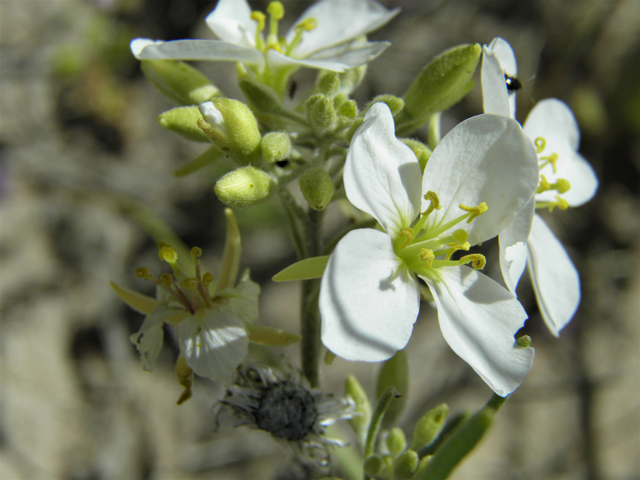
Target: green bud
179, 82
348, 109
405, 464
440, 85
244, 186
353, 128
260, 96
394, 373
321, 114
339, 99
317, 188
184, 121
429, 426
360, 421
233, 129
373, 465
351, 79
396, 441
328, 82
275, 146
524, 341
421, 151
394, 103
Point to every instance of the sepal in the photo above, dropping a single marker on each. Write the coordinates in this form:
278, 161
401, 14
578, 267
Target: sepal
184, 122
179, 82
306, 269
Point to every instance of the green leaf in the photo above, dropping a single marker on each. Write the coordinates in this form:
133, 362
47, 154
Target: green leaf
306, 269
271, 337
139, 302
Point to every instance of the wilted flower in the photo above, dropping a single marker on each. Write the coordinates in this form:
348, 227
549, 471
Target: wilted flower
474, 183
566, 180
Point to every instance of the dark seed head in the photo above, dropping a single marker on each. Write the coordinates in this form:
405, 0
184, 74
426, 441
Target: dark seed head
286, 411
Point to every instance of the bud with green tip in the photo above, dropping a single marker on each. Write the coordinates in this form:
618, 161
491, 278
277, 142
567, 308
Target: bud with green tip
394, 373
231, 126
321, 114
396, 441
244, 186
328, 82
275, 147
348, 109
362, 411
439, 86
184, 121
352, 78
373, 465
179, 82
420, 150
405, 464
394, 103
429, 426
317, 188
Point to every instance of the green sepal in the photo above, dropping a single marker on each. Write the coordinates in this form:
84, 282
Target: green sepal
429, 426
179, 82
306, 269
440, 85
271, 337
184, 121
206, 158
360, 420
139, 302
394, 373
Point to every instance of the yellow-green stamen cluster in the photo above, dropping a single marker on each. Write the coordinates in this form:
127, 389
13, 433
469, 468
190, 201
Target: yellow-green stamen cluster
419, 248
561, 185
273, 41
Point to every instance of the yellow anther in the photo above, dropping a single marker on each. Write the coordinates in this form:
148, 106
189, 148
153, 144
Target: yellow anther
562, 185
474, 211
460, 236
207, 279
196, 252
275, 46
540, 144
168, 254
407, 234
143, 272
477, 261
426, 255
276, 10
260, 18
544, 185
455, 247
432, 197
166, 279
562, 203
189, 283
550, 159
307, 25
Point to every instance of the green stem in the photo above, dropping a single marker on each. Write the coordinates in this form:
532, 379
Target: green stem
310, 346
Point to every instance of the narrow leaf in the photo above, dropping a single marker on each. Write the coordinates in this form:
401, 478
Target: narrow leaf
139, 302
303, 270
271, 337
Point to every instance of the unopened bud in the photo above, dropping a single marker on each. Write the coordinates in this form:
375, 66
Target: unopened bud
373, 465
244, 186
394, 103
429, 426
396, 441
351, 79
328, 82
317, 188
275, 147
321, 114
420, 150
405, 464
524, 341
231, 126
179, 82
362, 411
348, 109
184, 121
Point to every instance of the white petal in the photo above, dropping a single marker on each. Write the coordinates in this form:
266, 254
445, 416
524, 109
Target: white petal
336, 59
478, 319
486, 158
231, 22
552, 120
495, 96
366, 317
243, 298
506, 59
339, 21
215, 50
505, 55
150, 338
381, 174
555, 279
213, 342
513, 245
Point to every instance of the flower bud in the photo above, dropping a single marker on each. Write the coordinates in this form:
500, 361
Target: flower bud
244, 186
394, 373
347, 109
231, 126
360, 420
394, 103
396, 441
275, 146
321, 114
184, 121
405, 464
179, 82
420, 150
440, 85
373, 465
351, 79
328, 82
429, 426
317, 188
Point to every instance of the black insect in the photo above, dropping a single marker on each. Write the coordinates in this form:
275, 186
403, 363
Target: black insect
513, 84
293, 86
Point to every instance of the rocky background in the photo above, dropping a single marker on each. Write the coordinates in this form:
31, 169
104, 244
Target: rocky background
86, 175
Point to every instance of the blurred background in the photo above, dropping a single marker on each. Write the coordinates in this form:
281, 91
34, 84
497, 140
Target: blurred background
86, 174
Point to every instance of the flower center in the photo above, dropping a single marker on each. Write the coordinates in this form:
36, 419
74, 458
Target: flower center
420, 247
561, 185
287, 411
273, 41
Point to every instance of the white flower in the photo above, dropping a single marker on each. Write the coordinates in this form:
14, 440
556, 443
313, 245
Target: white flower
328, 35
566, 179
370, 296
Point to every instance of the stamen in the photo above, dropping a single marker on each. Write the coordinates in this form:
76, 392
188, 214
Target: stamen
407, 235
167, 253
432, 197
143, 273
189, 283
426, 255
460, 236
544, 185
306, 25
561, 203
207, 279
562, 185
540, 144
276, 12
551, 159
477, 261
455, 247
166, 279
260, 18
474, 211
